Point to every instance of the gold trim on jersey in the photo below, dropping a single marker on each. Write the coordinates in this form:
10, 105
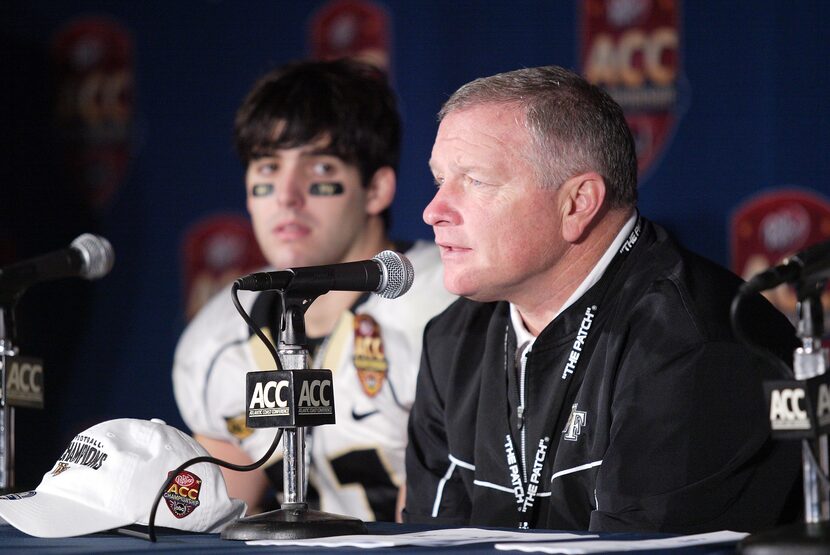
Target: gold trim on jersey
260, 353
331, 352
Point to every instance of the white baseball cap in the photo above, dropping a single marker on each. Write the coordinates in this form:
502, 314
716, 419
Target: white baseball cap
109, 476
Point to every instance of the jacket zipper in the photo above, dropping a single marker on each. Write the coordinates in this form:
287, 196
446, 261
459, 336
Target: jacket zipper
521, 411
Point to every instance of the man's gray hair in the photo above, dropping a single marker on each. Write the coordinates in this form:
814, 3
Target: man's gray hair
574, 126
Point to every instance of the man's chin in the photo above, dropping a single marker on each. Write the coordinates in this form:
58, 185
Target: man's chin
294, 257
481, 297
287, 262
468, 290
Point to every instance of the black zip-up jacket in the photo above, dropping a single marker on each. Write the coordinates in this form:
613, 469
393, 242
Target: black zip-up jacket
654, 413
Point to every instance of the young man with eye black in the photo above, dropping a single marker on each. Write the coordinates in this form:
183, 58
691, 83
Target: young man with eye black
321, 142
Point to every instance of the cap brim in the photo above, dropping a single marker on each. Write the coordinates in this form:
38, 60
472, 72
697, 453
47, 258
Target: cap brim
51, 516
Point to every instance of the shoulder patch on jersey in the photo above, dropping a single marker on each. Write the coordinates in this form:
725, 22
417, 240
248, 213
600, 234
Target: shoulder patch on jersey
369, 358
236, 426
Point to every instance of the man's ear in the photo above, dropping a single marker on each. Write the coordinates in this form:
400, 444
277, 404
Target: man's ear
583, 197
380, 191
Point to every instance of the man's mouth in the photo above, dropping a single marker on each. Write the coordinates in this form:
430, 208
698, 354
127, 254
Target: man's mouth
448, 248
291, 230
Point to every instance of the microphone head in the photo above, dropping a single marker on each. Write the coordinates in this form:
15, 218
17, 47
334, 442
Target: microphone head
397, 274
97, 254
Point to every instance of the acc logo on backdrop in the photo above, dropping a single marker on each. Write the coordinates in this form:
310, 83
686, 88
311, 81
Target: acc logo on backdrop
771, 226
631, 48
217, 250
93, 59
351, 29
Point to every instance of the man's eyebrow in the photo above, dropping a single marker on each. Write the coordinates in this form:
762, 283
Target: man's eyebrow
315, 151
256, 156
320, 151
455, 167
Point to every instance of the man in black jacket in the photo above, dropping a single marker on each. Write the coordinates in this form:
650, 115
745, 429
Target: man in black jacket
590, 379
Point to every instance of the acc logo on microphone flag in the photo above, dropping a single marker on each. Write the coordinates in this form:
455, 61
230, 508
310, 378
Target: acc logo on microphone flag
289, 398
182, 493
22, 382
369, 358
799, 409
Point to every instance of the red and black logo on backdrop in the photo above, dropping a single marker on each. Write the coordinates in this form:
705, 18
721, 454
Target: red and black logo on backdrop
631, 48
217, 250
351, 29
773, 225
93, 58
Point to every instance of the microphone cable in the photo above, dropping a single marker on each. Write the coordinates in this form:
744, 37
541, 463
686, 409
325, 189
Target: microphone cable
248, 320
151, 528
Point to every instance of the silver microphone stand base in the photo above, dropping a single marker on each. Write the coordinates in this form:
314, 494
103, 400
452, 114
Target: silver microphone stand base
799, 539
293, 521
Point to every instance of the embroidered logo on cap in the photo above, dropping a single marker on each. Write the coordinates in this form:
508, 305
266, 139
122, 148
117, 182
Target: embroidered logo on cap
59, 468
182, 495
369, 358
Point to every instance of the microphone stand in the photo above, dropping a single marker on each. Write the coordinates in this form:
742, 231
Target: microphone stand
293, 520
7, 350
809, 361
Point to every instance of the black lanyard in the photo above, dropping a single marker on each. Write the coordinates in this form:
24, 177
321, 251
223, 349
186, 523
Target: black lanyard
525, 492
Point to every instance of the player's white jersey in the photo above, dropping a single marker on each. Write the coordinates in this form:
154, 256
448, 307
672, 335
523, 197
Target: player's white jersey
373, 353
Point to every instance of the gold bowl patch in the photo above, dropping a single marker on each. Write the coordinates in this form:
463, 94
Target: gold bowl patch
369, 358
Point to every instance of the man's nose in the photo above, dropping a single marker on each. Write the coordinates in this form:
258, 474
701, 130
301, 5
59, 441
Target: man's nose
442, 210
291, 188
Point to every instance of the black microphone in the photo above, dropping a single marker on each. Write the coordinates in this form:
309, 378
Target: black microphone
388, 273
810, 265
88, 256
